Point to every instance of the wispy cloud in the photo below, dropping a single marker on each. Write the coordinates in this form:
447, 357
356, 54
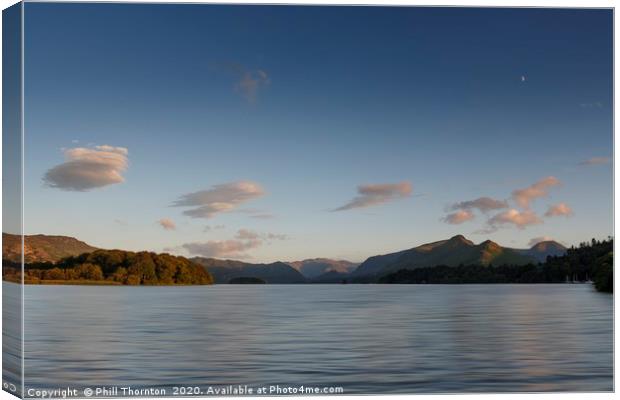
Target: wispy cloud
459, 217
375, 194
263, 216
88, 168
251, 82
536, 240
595, 161
520, 219
222, 248
248, 82
559, 210
243, 241
167, 224
595, 104
483, 204
209, 228
523, 197
244, 234
220, 198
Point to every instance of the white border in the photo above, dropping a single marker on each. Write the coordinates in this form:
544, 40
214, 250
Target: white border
458, 3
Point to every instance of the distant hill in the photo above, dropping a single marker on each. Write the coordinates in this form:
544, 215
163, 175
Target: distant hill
224, 271
454, 252
541, 250
42, 248
315, 267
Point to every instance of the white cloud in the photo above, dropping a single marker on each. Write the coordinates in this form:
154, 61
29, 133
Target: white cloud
220, 198
167, 224
459, 217
559, 210
520, 219
88, 168
596, 161
523, 197
375, 194
536, 240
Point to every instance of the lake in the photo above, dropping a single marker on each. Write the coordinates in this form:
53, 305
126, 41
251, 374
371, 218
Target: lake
363, 338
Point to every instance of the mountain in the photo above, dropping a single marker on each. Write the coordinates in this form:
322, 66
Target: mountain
315, 267
225, 270
541, 250
452, 252
42, 248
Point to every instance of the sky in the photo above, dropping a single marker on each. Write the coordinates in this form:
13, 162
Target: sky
270, 133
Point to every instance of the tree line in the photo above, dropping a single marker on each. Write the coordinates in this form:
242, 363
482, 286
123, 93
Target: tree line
589, 261
113, 267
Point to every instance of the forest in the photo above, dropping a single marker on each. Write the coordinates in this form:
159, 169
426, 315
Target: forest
590, 261
113, 267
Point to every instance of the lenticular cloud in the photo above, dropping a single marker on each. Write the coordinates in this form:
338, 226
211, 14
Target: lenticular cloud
88, 168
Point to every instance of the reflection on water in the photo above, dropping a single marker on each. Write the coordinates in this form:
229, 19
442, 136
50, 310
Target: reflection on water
364, 338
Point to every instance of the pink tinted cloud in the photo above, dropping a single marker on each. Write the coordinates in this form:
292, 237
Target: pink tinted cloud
167, 224
523, 197
520, 219
559, 210
459, 217
376, 194
219, 198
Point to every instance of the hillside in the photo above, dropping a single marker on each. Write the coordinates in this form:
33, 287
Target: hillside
589, 261
540, 251
42, 248
313, 268
224, 271
454, 252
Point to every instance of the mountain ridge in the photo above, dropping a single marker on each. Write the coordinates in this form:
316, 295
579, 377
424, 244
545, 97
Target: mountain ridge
455, 251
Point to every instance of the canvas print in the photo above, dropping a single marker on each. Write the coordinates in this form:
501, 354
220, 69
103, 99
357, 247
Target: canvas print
204, 200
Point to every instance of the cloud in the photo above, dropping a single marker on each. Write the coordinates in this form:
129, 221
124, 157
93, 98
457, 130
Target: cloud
483, 204
595, 161
536, 240
222, 248
246, 234
596, 104
559, 210
523, 197
88, 168
244, 240
276, 236
375, 194
167, 224
459, 217
208, 228
520, 219
220, 198
263, 216
251, 82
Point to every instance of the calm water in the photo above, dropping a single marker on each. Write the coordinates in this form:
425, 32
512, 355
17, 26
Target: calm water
364, 338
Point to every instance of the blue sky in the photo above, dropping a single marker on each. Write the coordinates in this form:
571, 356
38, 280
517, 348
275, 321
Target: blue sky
423, 108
